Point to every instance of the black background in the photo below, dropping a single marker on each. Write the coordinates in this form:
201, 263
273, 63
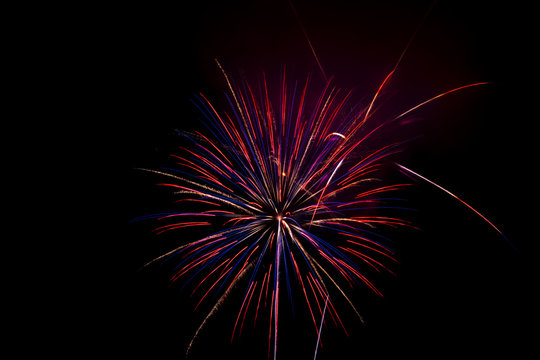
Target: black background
460, 289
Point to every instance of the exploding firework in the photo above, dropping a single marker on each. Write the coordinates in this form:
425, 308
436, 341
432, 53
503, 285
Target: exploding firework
245, 233
290, 196
293, 205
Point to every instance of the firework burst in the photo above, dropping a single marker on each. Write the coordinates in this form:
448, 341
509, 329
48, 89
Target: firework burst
294, 192
287, 191
292, 204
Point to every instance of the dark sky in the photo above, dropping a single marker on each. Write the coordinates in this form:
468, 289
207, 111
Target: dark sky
460, 289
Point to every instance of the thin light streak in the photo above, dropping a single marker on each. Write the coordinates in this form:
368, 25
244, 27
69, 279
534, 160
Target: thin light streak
409, 171
320, 328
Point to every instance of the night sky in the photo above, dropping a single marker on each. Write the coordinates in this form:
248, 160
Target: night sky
460, 289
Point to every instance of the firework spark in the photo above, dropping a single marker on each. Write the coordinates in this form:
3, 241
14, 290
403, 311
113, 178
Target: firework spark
415, 174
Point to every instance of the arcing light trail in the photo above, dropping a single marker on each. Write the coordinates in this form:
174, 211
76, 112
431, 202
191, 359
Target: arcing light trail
409, 171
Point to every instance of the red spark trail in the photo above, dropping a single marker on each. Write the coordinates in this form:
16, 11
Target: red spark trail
407, 170
323, 73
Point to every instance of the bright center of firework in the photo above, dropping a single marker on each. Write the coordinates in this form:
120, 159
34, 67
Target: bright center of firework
279, 217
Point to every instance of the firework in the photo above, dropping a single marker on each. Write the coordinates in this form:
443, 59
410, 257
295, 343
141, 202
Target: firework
276, 177
290, 197
285, 188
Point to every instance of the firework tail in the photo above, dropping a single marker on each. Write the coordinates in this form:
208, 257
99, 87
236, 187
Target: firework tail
320, 328
417, 175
